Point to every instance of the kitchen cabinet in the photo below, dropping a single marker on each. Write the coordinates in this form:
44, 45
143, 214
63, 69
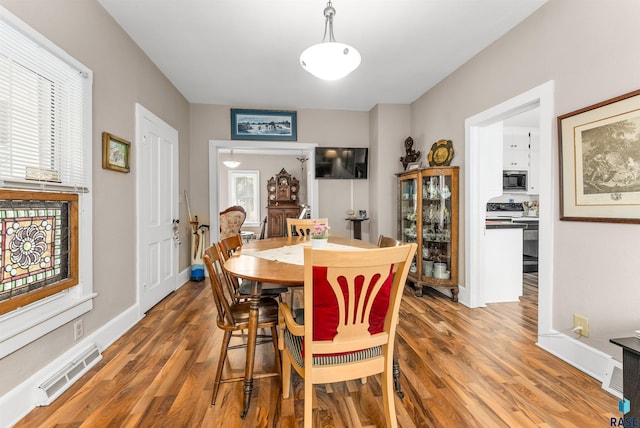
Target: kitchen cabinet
521, 153
516, 149
428, 215
503, 262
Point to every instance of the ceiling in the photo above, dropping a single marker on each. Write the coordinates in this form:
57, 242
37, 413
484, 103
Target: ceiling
245, 53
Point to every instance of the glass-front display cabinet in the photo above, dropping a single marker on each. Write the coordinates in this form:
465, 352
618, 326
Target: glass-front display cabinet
428, 215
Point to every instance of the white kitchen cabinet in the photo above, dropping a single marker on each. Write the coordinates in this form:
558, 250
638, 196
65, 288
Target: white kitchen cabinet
503, 265
516, 149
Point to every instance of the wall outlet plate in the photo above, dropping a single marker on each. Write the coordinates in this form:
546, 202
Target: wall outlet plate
583, 323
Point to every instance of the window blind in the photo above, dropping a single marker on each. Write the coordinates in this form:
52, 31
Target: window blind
44, 102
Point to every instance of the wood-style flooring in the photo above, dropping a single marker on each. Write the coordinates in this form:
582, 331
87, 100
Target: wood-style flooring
461, 367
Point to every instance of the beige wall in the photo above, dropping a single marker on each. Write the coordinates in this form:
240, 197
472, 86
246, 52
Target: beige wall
321, 127
389, 127
123, 76
589, 48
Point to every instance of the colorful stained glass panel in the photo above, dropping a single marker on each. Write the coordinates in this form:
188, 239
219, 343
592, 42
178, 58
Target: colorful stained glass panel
34, 245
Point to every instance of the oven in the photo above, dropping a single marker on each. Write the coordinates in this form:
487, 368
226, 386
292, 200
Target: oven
530, 246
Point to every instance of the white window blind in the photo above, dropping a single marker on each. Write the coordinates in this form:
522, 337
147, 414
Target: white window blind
44, 101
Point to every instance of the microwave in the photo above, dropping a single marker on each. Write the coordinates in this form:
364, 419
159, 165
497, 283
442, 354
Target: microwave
514, 181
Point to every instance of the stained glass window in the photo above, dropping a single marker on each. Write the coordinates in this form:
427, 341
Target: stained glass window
35, 250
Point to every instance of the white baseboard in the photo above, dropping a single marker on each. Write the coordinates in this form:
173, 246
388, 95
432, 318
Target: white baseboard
184, 277
583, 357
18, 402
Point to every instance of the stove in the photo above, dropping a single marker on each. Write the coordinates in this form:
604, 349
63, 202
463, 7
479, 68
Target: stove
500, 210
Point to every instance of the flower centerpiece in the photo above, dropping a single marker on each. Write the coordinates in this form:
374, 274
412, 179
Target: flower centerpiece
319, 234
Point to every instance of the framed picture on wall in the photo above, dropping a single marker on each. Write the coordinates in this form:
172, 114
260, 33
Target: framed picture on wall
263, 125
115, 153
600, 161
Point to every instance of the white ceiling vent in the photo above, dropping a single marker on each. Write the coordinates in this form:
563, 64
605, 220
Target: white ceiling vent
56, 384
613, 378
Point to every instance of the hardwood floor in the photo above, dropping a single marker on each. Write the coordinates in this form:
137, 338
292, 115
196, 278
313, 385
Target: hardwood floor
460, 367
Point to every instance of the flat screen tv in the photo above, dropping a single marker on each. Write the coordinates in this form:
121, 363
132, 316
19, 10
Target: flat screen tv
342, 162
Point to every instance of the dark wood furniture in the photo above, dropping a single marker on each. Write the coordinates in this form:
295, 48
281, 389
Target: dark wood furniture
357, 226
243, 264
630, 372
282, 202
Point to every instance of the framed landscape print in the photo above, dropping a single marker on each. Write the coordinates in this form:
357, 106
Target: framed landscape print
263, 125
115, 153
600, 161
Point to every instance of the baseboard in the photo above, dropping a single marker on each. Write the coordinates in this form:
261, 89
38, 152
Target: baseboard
18, 402
583, 357
184, 277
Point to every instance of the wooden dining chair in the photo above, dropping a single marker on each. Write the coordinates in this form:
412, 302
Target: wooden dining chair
263, 228
386, 242
228, 247
231, 221
300, 228
233, 316
352, 300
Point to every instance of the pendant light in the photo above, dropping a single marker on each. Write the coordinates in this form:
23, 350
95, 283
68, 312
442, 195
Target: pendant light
231, 163
330, 60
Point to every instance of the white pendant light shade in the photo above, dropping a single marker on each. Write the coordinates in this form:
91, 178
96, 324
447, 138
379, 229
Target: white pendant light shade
231, 163
330, 60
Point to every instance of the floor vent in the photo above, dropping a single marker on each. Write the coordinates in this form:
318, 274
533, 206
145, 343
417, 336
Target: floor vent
613, 378
50, 389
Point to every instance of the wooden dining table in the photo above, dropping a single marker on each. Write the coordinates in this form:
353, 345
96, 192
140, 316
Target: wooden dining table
247, 265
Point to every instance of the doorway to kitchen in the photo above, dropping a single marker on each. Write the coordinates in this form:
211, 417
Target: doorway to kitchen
483, 153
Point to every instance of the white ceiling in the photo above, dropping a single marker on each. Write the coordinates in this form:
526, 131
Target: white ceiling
245, 52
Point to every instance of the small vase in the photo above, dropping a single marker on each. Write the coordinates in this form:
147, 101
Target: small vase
319, 242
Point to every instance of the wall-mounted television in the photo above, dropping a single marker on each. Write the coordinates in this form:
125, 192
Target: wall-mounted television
342, 162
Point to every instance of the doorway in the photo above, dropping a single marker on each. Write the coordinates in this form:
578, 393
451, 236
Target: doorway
476, 143
257, 147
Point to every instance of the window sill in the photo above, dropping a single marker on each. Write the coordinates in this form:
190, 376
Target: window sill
22, 326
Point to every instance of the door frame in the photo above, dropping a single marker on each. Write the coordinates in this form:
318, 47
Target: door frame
472, 294
140, 113
294, 149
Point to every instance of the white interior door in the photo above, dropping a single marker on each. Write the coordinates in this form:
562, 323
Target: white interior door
157, 196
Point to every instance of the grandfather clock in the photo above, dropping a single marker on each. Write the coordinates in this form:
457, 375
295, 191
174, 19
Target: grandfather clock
282, 202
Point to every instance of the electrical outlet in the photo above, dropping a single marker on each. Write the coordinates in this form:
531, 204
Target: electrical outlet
583, 323
78, 330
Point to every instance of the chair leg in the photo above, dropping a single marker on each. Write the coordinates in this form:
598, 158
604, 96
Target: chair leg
308, 402
223, 356
274, 335
396, 376
286, 374
388, 398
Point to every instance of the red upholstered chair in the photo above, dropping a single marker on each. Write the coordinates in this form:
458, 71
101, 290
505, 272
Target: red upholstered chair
231, 221
351, 301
